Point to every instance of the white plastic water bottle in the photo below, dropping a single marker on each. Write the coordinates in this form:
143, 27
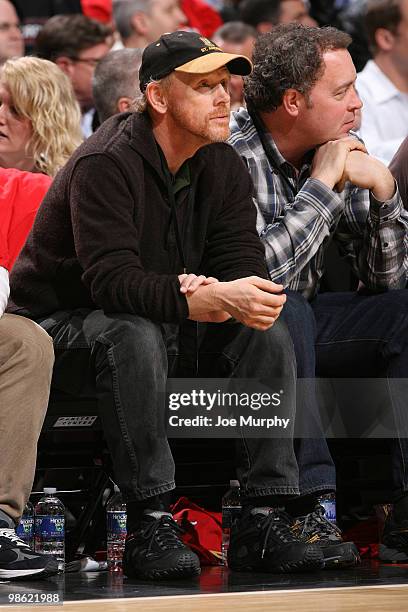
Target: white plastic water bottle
115, 530
231, 509
25, 529
50, 526
328, 501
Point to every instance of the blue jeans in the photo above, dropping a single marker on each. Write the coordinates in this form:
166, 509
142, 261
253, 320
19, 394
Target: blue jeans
351, 335
125, 361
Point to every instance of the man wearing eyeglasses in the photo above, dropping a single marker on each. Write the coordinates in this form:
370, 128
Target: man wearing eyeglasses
76, 44
11, 39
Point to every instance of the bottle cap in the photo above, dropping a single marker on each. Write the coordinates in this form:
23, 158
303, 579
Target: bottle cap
234, 484
50, 490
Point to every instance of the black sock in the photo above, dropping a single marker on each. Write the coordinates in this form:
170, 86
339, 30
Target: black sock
135, 509
300, 506
272, 501
401, 508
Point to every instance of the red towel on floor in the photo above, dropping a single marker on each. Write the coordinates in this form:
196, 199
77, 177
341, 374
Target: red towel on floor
202, 530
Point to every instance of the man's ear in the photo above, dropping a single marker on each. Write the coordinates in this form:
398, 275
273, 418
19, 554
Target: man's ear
384, 39
139, 23
291, 102
65, 64
157, 98
124, 104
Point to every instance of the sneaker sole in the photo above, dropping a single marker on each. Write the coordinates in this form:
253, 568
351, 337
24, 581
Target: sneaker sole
182, 570
43, 572
347, 556
312, 560
391, 555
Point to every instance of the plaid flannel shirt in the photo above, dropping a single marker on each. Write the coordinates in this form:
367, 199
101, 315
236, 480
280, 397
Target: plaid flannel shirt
298, 215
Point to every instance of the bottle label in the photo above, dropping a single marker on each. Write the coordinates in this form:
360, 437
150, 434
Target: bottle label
229, 514
50, 526
116, 522
26, 527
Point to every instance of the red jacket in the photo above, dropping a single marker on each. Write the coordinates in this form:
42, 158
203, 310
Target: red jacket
101, 10
21, 194
201, 16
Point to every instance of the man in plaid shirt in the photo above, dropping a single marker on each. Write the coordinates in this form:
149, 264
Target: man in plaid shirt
315, 182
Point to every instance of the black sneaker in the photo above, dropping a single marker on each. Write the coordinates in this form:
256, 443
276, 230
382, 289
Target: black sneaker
156, 552
263, 540
315, 528
394, 542
17, 559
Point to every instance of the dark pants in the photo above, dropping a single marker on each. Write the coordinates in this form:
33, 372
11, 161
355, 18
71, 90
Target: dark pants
349, 335
124, 360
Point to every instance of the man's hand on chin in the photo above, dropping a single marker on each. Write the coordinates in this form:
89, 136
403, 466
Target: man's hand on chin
367, 172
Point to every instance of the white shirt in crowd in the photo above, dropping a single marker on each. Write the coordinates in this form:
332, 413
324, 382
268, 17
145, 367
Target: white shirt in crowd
86, 122
384, 121
4, 289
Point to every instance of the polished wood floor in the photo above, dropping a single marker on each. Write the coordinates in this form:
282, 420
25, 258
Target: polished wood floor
371, 588
356, 599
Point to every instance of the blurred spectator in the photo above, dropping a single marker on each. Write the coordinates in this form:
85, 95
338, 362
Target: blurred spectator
264, 14
140, 22
201, 16
76, 44
39, 116
399, 169
325, 12
239, 38
230, 10
383, 84
116, 82
351, 20
11, 39
33, 15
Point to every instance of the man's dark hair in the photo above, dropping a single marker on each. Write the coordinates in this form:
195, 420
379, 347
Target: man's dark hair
255, 12
115, 76
381, 14
235, 32
289, 57
69, 35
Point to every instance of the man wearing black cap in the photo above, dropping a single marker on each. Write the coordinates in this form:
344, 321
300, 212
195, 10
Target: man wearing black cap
146, 232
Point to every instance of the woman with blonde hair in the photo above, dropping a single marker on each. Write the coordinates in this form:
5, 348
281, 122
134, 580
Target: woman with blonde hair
39, 116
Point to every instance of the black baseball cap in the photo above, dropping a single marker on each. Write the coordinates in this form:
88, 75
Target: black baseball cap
187, 52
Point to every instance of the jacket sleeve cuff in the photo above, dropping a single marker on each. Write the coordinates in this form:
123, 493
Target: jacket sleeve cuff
388, 210
323, 199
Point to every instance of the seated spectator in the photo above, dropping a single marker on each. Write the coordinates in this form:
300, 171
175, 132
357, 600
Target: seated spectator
265, 14
314, 182
115, 84
76, 44
236, 37
140, 22
39, 116
383, 83
123, 254
11, 39
26, 360
39, 129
